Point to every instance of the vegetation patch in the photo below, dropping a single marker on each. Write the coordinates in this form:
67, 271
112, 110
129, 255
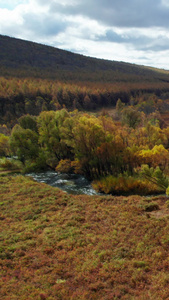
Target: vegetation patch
126, 185
119, 157
56, 246
151, 206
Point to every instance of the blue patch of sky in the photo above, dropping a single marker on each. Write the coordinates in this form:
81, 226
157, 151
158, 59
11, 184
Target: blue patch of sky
9, 4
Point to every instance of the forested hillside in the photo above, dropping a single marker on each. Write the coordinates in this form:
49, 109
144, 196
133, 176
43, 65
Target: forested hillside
19, 58
36, 77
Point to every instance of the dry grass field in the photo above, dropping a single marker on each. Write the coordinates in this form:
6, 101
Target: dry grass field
58, 246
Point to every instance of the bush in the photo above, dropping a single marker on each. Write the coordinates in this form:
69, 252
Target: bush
154, 175
123, 185
151, 206
37, 166
4, 147
64, 166
10, 164
167, 191
139, 264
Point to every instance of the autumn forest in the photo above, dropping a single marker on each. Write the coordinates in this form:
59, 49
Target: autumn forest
105, 120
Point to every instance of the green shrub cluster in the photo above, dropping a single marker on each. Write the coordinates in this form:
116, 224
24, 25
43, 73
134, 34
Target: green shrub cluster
10, 164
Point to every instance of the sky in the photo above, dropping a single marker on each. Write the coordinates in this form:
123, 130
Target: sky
134, 31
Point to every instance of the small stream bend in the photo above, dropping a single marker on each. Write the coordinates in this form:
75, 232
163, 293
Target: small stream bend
70, 183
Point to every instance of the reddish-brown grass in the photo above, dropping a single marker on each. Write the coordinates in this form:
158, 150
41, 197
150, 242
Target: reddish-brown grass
58, 246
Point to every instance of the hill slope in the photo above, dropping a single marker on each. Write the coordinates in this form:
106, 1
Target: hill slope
58, 246
36, 77
20, 58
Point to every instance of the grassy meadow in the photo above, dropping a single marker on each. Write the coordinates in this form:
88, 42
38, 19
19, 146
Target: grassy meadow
57, 246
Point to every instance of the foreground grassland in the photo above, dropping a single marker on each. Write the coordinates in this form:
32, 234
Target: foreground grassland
58, 246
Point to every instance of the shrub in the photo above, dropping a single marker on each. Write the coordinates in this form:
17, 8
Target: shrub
151, 206
4, 147
64, 166
10, 164
139, 264
123, 185
167, 191
34, 167
154, 175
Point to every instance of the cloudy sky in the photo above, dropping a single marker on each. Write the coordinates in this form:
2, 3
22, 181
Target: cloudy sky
135, 31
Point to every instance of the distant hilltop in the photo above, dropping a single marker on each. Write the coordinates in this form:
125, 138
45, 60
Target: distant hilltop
20, 58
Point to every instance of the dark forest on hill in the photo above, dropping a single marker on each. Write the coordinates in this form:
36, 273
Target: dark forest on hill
36, 77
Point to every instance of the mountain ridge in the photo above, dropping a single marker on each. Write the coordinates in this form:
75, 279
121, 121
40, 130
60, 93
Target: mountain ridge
21, 58
35, 77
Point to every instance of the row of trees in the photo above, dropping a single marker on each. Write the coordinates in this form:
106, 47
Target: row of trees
96, 146
31, 96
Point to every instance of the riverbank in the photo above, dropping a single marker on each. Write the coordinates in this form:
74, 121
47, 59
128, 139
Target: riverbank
59, 246
70, 183
147, 184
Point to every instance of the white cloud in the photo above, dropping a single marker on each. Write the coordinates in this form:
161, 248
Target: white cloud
11, 4
9, 21
136, 32
165, 2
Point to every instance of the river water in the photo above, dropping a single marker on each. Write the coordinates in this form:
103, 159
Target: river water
70, 183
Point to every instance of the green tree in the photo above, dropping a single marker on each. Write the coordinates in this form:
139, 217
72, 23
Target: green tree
88, 135
4, 145
28, 122
50, 138
24, 144
131, 117
119, 107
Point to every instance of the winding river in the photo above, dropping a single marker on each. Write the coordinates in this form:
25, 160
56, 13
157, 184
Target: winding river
70, 183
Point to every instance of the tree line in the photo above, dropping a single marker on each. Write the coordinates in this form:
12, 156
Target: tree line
127, 153
31, 96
